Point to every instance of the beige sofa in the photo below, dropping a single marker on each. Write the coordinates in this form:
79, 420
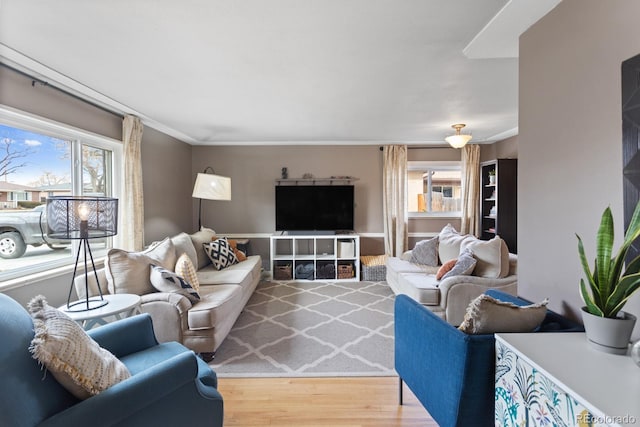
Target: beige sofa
200, 326
449, 297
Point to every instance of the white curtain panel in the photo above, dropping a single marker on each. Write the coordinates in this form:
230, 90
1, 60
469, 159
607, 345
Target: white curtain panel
470, 221
132, 217
394, 193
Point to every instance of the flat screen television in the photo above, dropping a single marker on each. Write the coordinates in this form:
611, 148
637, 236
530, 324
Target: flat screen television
314, 207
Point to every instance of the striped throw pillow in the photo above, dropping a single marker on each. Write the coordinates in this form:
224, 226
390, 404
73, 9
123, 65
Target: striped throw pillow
168, 281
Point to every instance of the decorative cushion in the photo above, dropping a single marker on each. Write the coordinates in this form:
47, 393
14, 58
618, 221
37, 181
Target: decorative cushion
426, 252
445, 268
487, 315
128, 272
185, 269
449, 243
168, 281
492, 256
184, 245
78, 362
239, 254
464, 266
199, 238
220, 253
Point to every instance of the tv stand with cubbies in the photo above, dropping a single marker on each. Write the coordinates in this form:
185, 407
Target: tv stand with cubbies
328, 257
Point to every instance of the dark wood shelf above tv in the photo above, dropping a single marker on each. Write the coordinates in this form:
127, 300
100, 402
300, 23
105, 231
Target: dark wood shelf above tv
313, 181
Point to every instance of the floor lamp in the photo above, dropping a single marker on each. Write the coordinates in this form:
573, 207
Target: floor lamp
211, 187
82, 218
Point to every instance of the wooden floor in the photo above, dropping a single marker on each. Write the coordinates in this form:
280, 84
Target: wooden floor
305, 402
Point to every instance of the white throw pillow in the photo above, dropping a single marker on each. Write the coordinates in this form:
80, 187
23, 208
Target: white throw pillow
200, 238
487, 315
128, 272
184, 245
492, 256
425, 252
449, 243
73, 357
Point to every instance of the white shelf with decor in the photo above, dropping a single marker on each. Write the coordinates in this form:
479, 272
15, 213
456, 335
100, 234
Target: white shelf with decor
329, 257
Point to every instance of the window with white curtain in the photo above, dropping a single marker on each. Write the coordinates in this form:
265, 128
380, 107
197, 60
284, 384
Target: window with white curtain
41, 158
434, 189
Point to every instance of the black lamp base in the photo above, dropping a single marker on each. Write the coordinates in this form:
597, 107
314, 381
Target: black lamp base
86, 305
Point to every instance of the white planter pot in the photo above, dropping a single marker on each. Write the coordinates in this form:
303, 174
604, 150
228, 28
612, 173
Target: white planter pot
609, 335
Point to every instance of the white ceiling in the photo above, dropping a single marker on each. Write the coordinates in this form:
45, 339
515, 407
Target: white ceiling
283, 71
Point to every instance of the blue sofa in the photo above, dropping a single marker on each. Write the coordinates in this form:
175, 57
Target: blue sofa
450, 372
169, 384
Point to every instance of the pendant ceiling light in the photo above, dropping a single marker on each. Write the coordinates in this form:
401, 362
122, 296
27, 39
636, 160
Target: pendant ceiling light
458, 140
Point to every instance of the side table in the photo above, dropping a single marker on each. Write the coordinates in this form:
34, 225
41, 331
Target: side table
119, 307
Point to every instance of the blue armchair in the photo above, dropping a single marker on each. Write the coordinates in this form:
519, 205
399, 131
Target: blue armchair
169, 384
450, 372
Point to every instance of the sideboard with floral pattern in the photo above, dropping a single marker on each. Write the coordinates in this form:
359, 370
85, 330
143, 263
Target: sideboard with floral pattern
551, 379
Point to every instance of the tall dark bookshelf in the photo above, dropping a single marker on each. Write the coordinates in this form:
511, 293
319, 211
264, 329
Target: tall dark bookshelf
499, 201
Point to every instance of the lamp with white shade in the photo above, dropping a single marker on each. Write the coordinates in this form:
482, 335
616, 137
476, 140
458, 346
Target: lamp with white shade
211, 187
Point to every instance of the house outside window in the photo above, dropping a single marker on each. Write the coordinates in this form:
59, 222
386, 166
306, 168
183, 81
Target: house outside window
434, 189
38, 159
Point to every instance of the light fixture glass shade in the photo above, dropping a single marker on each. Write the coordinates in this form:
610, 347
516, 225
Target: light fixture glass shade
458, 141
81, 217
212, 187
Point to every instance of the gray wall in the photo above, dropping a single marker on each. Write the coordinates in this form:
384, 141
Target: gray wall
167, 185
570, 152
505, 149
253, 171
18, 92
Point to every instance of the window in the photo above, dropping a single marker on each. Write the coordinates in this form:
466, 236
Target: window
434, 188
38, 159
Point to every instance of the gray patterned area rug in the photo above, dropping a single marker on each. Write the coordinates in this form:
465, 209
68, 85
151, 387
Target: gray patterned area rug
311, 329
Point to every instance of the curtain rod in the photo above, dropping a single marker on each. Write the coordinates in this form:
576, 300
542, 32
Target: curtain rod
35, 80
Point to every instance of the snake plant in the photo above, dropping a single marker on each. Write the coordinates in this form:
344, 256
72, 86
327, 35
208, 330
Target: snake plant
609, 288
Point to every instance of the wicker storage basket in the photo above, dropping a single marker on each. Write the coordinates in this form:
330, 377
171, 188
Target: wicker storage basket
373, 268
345, 271
282, 272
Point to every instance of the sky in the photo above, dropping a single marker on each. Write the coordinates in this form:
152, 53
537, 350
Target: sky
45, 154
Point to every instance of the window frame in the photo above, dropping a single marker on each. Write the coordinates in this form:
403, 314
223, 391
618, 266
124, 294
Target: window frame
77, 137
424, 165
